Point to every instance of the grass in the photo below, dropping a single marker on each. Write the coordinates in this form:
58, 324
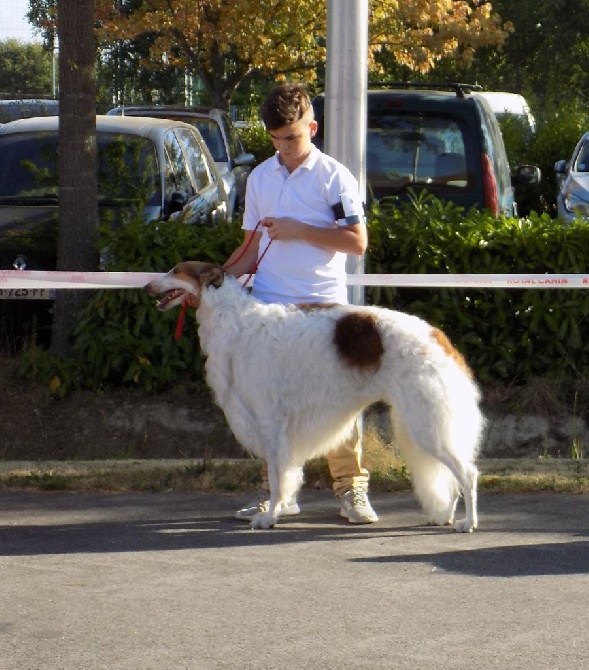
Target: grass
497, 475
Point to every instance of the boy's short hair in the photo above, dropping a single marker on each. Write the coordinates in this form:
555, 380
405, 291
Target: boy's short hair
284, 105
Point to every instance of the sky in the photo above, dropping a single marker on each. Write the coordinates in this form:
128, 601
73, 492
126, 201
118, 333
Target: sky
13, 22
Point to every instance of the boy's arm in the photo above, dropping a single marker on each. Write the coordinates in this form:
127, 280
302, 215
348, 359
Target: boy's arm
351, 239
244, 258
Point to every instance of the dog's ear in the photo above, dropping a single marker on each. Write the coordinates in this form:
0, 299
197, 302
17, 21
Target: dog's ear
204, 274
213, 276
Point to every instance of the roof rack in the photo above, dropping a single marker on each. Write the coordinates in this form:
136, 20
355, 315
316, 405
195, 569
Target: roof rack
461, 89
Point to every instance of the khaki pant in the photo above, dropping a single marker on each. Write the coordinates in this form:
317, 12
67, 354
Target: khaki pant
345, 466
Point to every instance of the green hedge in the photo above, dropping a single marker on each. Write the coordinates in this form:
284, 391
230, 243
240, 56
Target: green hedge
505, 334
512, 334
120, 337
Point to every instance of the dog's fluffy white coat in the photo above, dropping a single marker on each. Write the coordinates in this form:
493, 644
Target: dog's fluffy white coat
288, 396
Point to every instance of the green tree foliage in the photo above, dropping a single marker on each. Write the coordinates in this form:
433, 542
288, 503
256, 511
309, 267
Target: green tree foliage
25, 71
225, 43
545, 56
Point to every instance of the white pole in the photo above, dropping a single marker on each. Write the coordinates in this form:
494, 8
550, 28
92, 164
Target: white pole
346, 82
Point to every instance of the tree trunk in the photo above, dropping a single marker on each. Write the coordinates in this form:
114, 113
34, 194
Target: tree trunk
78, 191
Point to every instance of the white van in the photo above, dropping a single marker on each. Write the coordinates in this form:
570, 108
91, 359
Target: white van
512, 104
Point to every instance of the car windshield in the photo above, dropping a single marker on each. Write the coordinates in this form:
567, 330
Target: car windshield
405, 149
127, 167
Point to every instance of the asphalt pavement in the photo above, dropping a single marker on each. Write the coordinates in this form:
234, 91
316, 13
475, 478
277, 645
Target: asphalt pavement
171, 581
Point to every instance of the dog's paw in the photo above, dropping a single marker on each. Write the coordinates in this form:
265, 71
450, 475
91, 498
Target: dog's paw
263, 520
464, 526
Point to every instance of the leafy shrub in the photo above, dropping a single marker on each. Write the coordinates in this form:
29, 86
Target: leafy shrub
505, 334
121, 337
257, 141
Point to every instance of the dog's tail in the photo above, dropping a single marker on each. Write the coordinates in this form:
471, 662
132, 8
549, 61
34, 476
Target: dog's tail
439, 443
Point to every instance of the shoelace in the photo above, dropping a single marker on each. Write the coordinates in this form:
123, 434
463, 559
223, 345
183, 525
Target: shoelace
359, 498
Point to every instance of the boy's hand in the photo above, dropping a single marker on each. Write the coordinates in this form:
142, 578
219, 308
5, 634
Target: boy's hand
283, 228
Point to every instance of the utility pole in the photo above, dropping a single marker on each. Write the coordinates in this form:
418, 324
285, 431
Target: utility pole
346, 83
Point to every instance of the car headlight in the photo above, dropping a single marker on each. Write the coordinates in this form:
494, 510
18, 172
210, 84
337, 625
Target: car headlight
574, 204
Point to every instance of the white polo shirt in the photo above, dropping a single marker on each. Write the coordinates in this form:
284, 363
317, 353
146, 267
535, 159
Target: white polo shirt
293, 271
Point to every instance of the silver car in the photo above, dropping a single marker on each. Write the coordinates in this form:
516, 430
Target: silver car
573, 182
162, 164
220, 136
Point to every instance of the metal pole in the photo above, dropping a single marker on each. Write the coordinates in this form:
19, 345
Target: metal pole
346, 82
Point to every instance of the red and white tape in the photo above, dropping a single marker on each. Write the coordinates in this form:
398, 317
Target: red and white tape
38, 279
472, 280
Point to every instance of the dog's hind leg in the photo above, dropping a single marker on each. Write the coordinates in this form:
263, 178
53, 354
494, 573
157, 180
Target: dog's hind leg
438, 475
469, 490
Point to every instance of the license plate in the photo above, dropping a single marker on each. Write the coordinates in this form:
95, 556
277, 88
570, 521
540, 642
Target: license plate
27, 294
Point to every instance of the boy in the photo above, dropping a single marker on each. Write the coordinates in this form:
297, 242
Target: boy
303, 215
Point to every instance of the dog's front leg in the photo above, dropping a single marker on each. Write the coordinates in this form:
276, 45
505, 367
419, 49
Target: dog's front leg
267, 519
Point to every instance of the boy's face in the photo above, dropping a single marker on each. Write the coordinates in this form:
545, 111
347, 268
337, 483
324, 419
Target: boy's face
293, 141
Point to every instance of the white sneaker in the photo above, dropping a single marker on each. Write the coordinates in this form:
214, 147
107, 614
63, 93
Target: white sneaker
356, 508
248, 512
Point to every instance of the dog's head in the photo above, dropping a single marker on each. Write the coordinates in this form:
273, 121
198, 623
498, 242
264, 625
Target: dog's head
184, 284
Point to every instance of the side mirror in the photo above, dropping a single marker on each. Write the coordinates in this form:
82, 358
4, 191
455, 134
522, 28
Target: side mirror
244, 159
527, 174
560, 167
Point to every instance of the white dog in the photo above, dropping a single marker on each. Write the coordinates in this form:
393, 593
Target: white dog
292, 380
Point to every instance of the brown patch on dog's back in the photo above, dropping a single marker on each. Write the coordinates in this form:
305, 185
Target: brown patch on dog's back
358, 340
443, 341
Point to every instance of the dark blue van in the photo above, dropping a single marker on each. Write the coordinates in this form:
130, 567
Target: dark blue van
447, 142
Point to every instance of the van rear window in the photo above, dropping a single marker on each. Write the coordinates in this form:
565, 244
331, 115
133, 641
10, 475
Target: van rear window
405, 149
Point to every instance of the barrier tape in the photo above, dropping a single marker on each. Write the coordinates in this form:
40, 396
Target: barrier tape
41, 279
15, 280
473, 280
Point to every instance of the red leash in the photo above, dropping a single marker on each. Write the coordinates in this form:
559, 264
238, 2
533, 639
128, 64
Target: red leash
246, 247
182, 315
181, 319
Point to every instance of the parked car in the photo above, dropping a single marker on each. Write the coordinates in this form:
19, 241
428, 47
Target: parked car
163, 163
11, 110
220, 136
447, 142
572, 177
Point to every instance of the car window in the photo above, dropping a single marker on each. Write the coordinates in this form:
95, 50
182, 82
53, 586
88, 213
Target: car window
404, 149
582, 162
29, 164
24, 109
177, 174
196, 158
127, 166
212, 135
